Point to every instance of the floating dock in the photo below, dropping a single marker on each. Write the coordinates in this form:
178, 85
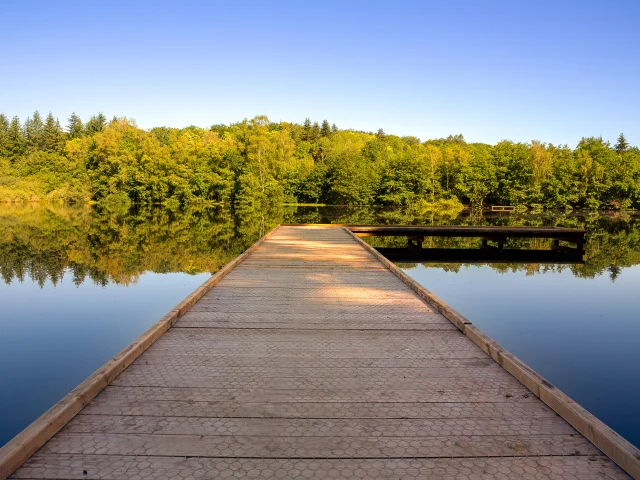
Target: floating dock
312, 356
495, 234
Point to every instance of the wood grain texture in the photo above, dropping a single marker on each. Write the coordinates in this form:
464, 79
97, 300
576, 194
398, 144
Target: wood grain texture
311, 359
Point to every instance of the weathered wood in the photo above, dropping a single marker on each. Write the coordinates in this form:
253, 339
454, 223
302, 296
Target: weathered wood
311, 359
116, 467
313, 427
133, 402
243, 446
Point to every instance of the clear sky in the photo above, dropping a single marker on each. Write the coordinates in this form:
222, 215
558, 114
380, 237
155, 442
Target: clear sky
549, 70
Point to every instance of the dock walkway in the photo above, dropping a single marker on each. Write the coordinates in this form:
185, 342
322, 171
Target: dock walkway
311, 359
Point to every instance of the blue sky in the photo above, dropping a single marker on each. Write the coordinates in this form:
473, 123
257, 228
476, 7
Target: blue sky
521, 70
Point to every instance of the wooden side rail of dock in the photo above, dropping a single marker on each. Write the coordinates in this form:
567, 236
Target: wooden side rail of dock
313, 356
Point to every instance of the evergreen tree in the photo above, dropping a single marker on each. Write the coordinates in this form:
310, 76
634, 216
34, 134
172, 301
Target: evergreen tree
334, 129
4, 135
315, 131
52, 135
15, 139
459, 138
96, 124
380, 133
33, 130
306, 129
622, 145
614, 272
75, 126
325, 130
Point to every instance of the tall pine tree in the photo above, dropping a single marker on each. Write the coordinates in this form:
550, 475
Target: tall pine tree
33, 130
96, 124
315, 131
16, 143
52, 134
4, 135
325, 130
622, 145
75, 127
306, 129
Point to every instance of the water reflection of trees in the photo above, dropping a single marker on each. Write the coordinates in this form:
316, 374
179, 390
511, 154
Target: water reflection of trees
46, 243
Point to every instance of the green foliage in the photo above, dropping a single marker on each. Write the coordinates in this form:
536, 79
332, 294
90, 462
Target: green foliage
258, 164
15, 143
52, 135
325, 130
4, 136
96, 124
450, 207
33, 131
75, 127
622, 145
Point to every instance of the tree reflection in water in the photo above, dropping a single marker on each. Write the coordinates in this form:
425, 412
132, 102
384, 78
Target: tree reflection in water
46, 242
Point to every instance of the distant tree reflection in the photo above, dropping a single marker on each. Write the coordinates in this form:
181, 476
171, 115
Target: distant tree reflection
45, 243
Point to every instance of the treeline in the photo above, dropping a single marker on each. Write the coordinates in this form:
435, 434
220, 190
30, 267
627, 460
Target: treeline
256, 162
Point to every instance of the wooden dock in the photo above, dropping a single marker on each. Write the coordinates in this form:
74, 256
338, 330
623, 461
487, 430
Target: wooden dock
311, 356
497, 234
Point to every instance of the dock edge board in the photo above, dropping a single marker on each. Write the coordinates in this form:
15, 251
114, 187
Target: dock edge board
621, 451
26, 443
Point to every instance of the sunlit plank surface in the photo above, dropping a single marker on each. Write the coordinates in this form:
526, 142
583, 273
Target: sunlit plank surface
311, 360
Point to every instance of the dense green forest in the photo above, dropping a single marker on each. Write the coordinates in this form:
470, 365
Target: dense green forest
255, 163
47, 242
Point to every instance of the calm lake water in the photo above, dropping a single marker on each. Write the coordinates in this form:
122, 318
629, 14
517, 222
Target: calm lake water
78, 285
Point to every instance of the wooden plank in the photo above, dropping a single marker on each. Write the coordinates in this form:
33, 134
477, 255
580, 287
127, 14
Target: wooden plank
121, 401
218, 361
313, 427
323, 394
302, 320
300, 294
319, 447
465, 370
343, 384
213, 361
296, 308
152, 467
371, 303
319, 325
